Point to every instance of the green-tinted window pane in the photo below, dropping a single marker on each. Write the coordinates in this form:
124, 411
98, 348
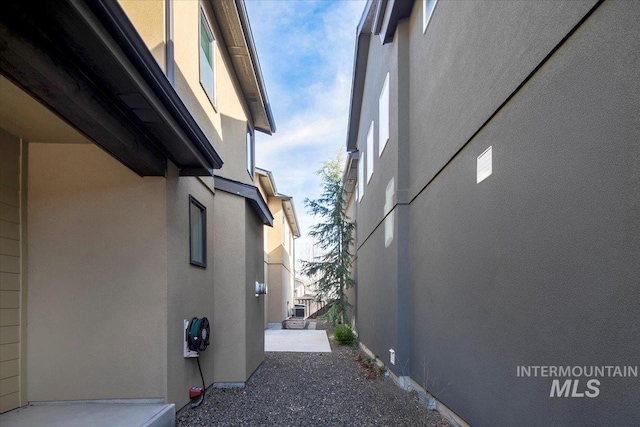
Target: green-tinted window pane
197, 231
207, 61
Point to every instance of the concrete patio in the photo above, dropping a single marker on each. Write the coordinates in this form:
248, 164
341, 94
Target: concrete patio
296, 341
92, 413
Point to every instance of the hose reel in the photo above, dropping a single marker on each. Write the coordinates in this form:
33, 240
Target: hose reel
198, 333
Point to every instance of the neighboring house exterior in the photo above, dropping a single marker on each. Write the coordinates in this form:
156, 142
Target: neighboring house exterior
114, 227
279, 253
304, 294
495, 149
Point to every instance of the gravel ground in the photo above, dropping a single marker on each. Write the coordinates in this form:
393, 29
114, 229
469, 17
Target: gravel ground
312, 389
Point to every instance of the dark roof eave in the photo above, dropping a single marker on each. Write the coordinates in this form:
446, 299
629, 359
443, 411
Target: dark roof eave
361, 54
250, 193
114, 19
255, 62
395, 11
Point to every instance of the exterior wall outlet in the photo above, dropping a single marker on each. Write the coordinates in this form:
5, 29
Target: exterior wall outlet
392, 356
261, 288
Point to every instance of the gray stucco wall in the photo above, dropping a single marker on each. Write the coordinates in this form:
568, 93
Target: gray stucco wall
255, 306
473, 55
229, 326
190, 287
537, 264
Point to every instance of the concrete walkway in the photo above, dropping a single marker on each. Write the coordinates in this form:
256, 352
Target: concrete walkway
88, 413
296, 341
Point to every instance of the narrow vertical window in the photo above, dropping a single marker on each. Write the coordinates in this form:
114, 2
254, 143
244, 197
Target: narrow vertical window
250, 152
427, 11
370, 151
197, 233
383, 116
207, 59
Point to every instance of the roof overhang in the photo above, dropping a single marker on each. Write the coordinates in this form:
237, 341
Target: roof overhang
350, 176
86, 62
268, 184
234, 24
290, 213
250, 193
363, 37
389, 15
379, 17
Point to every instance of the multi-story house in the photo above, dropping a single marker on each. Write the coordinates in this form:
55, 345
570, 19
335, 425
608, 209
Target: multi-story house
279, 253
495, 147
114, 227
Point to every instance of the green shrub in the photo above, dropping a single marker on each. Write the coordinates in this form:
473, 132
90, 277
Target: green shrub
344, 335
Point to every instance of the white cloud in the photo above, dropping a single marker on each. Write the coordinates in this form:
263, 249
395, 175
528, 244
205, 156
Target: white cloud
303, 41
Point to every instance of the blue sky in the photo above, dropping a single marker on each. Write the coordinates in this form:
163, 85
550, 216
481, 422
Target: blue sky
306, 51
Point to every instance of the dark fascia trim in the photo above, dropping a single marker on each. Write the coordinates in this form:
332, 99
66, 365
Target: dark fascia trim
255, 63
361, 55
114, 19
396, 10
379, 15
249, 192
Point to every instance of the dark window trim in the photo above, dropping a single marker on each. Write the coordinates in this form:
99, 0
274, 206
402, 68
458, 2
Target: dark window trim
203, 212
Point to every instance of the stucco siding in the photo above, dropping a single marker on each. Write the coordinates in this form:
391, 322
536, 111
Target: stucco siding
384, 167
149, 19
471, 58
97, 277
255, 306
229, 328
538, 263
223, 120
377, 295
190, 287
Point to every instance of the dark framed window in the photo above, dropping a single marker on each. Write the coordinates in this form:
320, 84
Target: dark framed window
197, 233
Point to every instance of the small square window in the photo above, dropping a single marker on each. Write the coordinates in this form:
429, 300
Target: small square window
197, 233
207, 59
427, 12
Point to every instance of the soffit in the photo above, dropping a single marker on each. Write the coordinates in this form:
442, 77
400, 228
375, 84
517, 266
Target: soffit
86, 62
236, 32
26, 118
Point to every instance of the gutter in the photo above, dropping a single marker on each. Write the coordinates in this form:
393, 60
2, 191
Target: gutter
361, 54
118, 25
255, 63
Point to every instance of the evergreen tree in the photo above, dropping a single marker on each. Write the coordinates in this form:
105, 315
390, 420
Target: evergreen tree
334, 236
